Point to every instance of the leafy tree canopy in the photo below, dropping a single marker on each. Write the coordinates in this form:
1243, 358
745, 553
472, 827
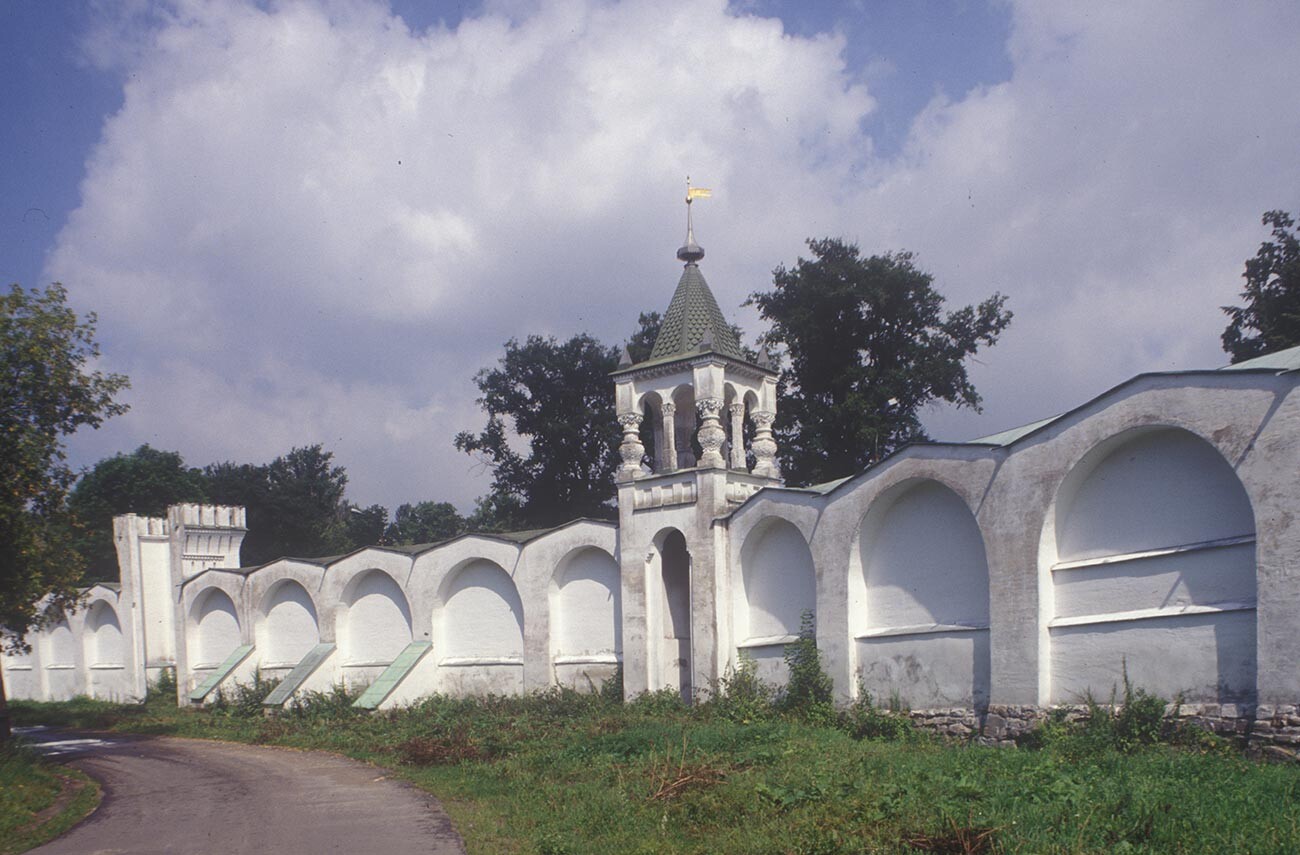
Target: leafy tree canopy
555, 396
47, 394
868, 345
1270, 318
295, 504
424, 522
143, 482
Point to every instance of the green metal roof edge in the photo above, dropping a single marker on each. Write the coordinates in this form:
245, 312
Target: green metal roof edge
1018, 434
295, 678
393, 675
685, 357
1281, 361
231, 662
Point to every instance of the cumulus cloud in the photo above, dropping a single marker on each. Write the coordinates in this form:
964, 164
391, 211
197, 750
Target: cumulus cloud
309, 223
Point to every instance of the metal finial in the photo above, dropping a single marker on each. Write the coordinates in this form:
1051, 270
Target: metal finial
691, 252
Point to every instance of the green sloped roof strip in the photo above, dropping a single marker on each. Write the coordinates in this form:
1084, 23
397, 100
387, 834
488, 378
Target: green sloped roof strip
1278, 360
239, 654
692, 312
1007, 437
298, 675
372, 697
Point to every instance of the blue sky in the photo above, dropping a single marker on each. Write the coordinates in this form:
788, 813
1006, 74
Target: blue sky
313, 221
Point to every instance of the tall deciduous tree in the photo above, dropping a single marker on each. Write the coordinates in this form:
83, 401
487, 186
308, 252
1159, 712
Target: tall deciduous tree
1270, 319
555, 396
145, 482
868, 345
424, 522
295, 504
46, 393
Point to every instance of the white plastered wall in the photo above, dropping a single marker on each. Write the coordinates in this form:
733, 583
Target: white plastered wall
586, 617
922, 624
772, 582
1153, 572
373, 624
288, 626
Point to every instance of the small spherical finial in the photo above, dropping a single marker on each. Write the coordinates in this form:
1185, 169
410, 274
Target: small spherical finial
691, 252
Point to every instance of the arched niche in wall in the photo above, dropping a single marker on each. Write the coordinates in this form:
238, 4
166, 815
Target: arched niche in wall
586, 612
21, 679
374, 625
482, 631
1149, 554
288, 626
105, 647
482, 615
777, 585
922, 633
59, 657
668, 580
105, 651
214, 629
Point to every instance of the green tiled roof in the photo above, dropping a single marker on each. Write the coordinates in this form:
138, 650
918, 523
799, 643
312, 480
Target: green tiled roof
692, 313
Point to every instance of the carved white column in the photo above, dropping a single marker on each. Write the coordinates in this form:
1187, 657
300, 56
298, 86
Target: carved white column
668, 454
737, 411
631, 449
764, 446
711, 435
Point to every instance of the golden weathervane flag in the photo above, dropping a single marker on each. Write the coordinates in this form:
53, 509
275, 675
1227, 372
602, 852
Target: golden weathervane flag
698, 193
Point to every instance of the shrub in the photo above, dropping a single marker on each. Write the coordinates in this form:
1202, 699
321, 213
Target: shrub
740, 695
1135, 721
329, 704
164, 687
809, 690
244, 699
864, 720
611, 690
1140, 720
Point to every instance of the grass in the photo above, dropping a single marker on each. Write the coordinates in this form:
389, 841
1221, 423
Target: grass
562, 772
39, 800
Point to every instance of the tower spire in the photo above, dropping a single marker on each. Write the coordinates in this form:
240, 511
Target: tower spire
691, 252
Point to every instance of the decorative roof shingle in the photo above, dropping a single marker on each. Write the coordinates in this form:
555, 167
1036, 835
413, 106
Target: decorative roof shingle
692, 315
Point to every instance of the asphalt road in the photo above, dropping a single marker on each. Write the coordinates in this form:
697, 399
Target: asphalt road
191, 796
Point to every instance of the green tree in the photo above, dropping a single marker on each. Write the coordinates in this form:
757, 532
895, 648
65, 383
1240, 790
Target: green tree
144, 482
295, 504
365, 526
556, 397
424, 522
641, 342
47, 394
868, 345
1270, 318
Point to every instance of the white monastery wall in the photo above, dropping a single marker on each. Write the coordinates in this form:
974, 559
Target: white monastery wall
1154, 530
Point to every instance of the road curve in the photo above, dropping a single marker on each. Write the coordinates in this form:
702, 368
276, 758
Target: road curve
192, 796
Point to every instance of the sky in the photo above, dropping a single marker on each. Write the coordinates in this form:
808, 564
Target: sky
314, 220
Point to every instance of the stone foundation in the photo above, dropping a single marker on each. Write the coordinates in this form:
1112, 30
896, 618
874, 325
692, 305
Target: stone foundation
1271, 730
